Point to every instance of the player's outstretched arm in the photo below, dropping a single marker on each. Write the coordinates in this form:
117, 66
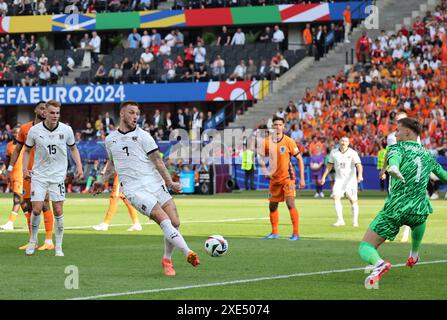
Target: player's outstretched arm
393, 161
161, 168
77, 159
440, 173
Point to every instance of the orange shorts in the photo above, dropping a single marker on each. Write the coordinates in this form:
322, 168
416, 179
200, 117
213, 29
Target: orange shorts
17, 186
26, 189
280, 191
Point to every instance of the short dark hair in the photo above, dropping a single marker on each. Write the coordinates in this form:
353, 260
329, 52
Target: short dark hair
39, 103
129, 103
276, 118
412, 124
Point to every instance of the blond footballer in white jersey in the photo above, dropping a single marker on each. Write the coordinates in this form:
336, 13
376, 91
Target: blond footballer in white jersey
134, 155
50, 139
348, 174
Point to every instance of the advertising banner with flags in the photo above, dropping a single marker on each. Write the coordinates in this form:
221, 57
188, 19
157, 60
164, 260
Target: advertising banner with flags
278, 14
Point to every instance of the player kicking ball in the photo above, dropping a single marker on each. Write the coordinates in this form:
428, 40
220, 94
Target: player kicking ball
50, 139
409, 166
348, 174
134, 155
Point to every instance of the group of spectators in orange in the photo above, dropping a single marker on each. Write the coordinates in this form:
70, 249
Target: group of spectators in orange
406, 72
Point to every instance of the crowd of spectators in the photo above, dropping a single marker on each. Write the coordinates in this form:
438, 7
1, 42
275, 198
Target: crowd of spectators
159, 124
149, 57
403, 72
22, 62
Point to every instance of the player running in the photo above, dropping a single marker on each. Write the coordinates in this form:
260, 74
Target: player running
115, 196
348, 174
145, 180
39, 111
50, 139
391, 140
280, 149
409, 165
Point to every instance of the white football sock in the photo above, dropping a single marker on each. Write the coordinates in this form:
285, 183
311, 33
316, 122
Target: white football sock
406, 232
169, 248
59, 230
35, 222
355, 213
339, 210
173, 236
414, 254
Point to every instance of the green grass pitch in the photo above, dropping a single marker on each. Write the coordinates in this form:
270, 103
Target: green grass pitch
123, 265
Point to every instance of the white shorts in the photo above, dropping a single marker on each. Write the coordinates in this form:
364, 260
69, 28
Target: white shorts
39, 190
145, 198
342, 189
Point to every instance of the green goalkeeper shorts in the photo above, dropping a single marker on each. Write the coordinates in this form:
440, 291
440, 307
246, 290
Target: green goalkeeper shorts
387, 225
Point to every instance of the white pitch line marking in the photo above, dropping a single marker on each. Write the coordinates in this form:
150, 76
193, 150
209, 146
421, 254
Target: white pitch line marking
151, 223
215, 284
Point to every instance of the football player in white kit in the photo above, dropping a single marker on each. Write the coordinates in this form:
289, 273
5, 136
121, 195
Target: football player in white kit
50, 139
134, 155
348, 174
391, 140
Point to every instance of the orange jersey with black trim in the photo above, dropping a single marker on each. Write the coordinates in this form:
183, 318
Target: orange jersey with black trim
23, 134
16, 172
280, 154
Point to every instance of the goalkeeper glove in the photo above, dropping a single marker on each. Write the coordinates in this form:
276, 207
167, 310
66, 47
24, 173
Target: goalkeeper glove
395, 173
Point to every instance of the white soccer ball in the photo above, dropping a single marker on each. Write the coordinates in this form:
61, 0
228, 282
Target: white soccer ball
216, 246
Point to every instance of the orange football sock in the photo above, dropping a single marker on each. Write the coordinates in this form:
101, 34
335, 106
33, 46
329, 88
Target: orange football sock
48, 220
113, 204
132, 212
295, 220
274, 220
28, 219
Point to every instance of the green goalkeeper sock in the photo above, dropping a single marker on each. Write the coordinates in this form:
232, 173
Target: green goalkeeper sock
89, 183
416, 238
368, 253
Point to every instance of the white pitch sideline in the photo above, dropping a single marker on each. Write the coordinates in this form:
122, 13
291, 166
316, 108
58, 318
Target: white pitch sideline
215, 284
149, 223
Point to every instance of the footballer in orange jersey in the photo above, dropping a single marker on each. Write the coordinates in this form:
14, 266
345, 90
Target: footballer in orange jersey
280, 149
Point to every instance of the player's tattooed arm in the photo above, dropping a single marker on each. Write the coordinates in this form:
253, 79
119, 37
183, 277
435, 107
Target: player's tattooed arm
106, 175
108, 171
161, 168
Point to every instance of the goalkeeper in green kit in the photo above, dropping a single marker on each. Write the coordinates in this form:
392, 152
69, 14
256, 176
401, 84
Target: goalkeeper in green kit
409, 165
